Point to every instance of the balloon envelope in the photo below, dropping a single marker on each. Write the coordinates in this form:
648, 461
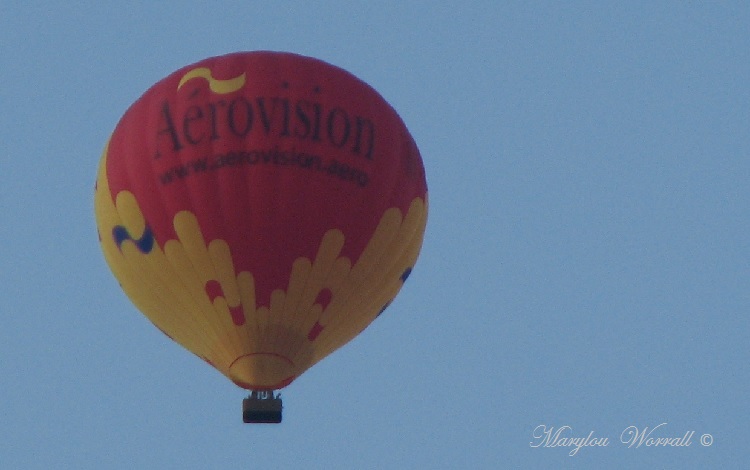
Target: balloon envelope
261, 209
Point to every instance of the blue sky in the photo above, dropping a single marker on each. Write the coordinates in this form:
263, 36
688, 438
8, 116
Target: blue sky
586, 261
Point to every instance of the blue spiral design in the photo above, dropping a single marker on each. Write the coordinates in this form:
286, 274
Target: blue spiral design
145, 244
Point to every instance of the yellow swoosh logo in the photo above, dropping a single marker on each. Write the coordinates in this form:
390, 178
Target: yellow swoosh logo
217, 86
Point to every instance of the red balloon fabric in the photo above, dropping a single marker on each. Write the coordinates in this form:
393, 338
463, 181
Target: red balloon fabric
278, 158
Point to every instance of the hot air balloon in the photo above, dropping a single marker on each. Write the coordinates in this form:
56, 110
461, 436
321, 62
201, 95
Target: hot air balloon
261, 209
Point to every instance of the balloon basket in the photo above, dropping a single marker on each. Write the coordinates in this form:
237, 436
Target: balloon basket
262, 407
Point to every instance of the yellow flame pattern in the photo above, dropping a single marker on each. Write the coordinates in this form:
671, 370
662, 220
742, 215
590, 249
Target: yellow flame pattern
272, 346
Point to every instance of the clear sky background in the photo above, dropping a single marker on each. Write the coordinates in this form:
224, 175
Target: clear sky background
586, 261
